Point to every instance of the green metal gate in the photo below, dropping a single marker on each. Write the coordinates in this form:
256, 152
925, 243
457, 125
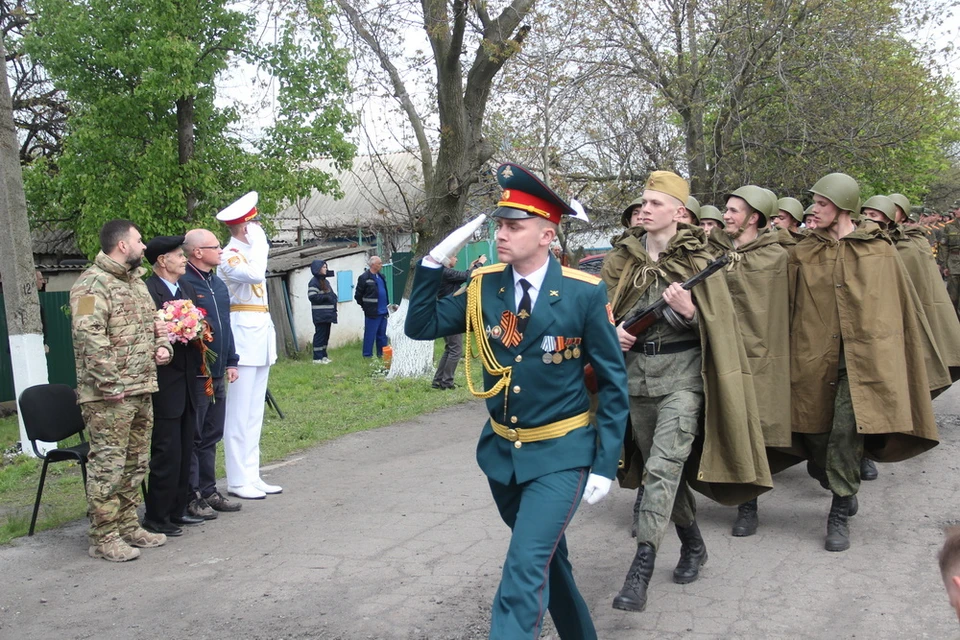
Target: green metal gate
61, 368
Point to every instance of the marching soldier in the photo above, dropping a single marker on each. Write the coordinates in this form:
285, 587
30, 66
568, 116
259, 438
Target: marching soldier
535, 324
670, 370
757, 279
243, 267
857, 360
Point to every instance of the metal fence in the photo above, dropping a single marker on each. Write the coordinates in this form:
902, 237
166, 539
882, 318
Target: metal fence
61, 368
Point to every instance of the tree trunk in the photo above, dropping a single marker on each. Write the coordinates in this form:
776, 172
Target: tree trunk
185, 147
16, 262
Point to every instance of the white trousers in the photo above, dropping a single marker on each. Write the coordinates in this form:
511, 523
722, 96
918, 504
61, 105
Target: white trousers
243, 423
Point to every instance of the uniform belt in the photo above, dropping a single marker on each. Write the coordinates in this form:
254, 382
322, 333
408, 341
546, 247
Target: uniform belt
259, 308
655, 348
550, 431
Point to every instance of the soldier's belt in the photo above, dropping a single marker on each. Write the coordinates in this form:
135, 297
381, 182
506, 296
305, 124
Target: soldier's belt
550, 431
656, 348
258, 308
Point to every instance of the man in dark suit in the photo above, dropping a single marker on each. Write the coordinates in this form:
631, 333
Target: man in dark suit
174, 413
537, 323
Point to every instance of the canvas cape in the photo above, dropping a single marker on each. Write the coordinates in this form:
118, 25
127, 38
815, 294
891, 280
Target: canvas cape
871, 311
728, 462
757, 279
921, 266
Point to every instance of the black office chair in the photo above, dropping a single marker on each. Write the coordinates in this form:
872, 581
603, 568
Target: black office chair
50, 414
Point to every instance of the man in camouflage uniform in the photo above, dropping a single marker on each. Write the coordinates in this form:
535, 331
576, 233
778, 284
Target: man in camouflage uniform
118, 344
948, 258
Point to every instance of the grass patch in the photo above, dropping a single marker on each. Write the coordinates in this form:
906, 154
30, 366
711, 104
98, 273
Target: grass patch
319, 402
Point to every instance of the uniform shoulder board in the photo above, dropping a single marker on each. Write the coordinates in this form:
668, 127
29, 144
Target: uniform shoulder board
493, 268
576, 274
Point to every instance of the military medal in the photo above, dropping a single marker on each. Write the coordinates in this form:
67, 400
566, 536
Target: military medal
547, 358
549, 345
557, 358
567, 353
495, 332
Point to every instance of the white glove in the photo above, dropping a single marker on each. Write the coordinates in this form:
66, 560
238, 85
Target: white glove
452, 244
257, 239
597, 487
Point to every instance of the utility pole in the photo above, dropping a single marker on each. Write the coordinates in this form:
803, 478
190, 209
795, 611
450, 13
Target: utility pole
16, 261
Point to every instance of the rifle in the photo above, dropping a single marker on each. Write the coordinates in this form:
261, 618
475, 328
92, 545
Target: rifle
645, 318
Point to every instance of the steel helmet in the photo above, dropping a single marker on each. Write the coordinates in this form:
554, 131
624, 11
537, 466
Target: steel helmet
693, 206
901, 201
758, 199
841, 190
883, 204
710, 212
791, 206
773, 201
625, 216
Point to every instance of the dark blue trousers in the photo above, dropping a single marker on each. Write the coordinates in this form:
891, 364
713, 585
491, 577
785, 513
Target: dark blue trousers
537, 575
209, 432
321, 336
374, 329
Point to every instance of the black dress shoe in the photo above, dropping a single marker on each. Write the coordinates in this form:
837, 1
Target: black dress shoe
166, 528
187, 519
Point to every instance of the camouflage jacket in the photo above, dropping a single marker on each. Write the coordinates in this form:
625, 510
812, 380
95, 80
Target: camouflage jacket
115, 334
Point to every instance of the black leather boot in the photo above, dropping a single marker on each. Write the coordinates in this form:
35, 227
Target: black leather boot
838, 533
818, 474
636, 512
633, 594
693, 554
747, 520
854, 506
868, 470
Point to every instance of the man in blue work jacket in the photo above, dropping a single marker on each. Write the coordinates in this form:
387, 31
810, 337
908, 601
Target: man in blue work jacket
536, 324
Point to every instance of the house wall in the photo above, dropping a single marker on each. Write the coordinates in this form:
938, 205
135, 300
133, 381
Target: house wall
349, 314
61, 281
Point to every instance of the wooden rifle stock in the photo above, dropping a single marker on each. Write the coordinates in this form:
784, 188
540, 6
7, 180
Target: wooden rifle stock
645, 318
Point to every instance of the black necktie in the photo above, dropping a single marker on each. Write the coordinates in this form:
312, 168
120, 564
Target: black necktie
176, 294
523, 310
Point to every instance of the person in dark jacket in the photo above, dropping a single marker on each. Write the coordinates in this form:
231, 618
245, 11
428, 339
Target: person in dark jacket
174, 411
371, 294
323, 301
450, 281
203, 251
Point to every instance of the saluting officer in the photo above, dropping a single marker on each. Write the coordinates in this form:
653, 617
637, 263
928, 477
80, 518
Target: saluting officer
536, 324
243, 267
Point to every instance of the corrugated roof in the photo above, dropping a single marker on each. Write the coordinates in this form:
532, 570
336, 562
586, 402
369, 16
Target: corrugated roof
379, 190
287, 259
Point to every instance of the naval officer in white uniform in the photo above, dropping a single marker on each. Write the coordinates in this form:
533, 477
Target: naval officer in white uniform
243, 267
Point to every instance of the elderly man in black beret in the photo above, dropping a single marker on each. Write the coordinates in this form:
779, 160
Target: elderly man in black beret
174, 415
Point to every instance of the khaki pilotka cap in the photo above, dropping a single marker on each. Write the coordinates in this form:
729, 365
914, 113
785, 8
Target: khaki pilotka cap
669, 183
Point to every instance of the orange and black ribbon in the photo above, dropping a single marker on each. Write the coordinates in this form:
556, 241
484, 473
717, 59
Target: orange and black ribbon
510, 337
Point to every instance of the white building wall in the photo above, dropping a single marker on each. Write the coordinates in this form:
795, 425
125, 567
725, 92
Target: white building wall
349, 314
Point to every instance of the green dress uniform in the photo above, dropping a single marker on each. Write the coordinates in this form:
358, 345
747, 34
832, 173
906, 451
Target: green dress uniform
538, 445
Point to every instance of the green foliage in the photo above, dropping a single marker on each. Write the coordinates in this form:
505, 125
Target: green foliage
138, 74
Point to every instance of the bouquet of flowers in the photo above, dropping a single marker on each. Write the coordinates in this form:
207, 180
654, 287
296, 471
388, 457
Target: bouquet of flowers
185, 322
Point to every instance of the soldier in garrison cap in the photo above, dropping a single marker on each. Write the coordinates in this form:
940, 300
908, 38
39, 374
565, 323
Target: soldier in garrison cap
757, 279
243, 267
118, 345
839, 324
535, 325
174, 409
669, 369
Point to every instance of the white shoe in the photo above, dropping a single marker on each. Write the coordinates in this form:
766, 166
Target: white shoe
247, 492
266, 488
327, 361
319, 361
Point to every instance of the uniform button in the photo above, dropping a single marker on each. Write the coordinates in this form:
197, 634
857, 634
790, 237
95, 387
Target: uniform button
839, 286
516, 388
834, 336
517, 444
513, 419
833, 384
518, 359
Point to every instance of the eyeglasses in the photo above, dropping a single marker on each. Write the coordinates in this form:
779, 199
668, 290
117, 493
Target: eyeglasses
216, 246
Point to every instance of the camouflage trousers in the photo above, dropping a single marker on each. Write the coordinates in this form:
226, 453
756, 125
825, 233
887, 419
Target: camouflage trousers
119, 453
664, 428
839, 450
953, 290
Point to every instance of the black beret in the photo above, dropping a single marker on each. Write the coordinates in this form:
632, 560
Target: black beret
161, 245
